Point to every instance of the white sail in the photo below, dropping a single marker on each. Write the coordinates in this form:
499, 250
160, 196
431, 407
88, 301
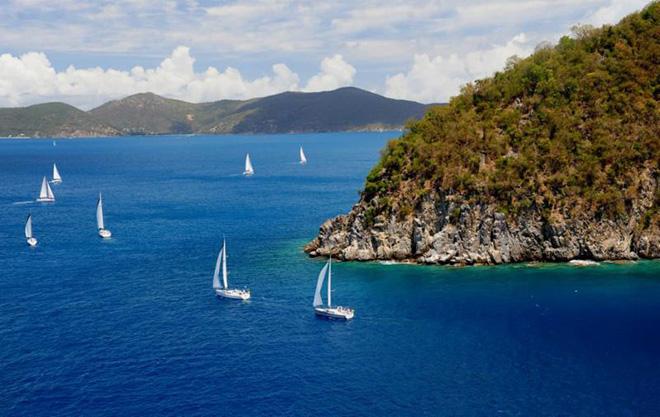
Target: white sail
43, 193
28, 227
330, 282
99, 213
49, 192
303, 158
249, 170
216, 273
224, 264
318, 299
56, 174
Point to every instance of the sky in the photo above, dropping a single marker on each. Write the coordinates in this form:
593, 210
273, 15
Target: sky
86, 52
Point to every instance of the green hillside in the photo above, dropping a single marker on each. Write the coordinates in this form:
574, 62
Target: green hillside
571, 128
147, 113
51, 119
342, 109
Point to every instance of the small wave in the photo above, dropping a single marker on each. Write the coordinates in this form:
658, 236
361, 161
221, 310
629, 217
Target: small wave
582, 262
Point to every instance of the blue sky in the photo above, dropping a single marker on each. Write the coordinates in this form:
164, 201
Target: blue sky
85, 52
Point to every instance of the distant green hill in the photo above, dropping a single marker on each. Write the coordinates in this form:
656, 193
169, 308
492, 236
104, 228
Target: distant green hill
148, 114
51, 119
555, 158
343, 109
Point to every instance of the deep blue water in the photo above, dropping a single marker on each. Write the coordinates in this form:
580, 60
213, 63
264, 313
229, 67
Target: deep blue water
131, 327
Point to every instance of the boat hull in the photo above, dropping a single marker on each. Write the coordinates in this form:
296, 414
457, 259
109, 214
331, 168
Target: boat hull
56, 181
105, 233
31, 241
336, 313
233, 294
45, 200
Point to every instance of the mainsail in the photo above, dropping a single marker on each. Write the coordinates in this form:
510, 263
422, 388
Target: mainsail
318, 300
224, 264
303, 159
216, 273
249, 170
99, 213
56, 174
28, 227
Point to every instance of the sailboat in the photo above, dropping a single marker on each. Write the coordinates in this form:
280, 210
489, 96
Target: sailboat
223, 290
57, 179
31, 240
249, 170
303, 158
338, 312
45, 194
103, 232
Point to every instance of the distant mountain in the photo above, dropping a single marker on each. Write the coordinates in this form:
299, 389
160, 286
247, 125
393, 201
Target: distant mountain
51, 119
343, 109
148, 114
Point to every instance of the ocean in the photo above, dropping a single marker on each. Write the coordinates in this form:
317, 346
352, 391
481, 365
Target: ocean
130, 326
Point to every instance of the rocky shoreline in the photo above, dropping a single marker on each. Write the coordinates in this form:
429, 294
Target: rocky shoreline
442, 231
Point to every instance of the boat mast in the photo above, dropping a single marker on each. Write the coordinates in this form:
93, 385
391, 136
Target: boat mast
224, 264
330, 281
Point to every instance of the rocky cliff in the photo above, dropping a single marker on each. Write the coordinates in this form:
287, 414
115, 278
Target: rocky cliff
442, 231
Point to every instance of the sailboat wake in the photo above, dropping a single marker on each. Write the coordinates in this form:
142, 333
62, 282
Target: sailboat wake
18, 203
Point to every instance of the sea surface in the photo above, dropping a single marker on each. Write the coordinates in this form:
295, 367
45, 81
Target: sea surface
131, 327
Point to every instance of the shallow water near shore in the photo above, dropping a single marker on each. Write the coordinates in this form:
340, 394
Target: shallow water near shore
130, 326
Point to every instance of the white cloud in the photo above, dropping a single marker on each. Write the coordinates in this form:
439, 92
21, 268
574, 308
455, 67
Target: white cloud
437, 79
613, 11
452, 42
335, 73
30, 78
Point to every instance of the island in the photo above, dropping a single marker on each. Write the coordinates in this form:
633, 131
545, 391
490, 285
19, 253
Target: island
555, 158
344, 109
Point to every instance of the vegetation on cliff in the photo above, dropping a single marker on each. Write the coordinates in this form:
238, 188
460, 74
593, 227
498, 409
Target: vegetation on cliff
571, 128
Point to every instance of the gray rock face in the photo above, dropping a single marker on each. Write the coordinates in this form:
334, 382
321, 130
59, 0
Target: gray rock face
440, 231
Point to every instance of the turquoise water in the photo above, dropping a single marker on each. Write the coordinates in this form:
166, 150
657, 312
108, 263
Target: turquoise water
130, 326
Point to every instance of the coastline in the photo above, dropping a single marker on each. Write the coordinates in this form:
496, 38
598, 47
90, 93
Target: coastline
394, 130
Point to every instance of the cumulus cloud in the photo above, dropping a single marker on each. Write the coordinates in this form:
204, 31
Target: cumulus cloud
31, 78
613, 10
436, 79
335, 73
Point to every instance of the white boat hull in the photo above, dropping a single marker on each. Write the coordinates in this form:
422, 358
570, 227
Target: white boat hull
341, 313
56, 181
31, 241
45, 200
105, 233
234, 294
